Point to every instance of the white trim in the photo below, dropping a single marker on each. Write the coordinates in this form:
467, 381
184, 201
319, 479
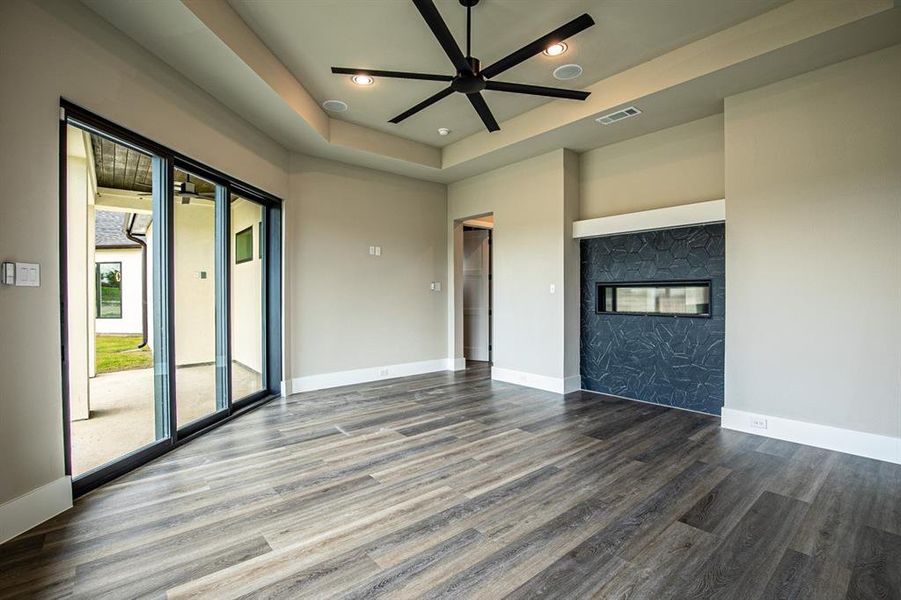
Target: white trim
456, 364
33, 508
713, 211
870, 445
323, 381
541, 382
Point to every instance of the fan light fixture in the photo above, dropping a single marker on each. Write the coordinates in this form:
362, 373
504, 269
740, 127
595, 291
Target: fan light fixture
471, 78
556, 49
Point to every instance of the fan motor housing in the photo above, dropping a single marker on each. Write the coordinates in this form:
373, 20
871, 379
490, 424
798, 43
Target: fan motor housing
469, 83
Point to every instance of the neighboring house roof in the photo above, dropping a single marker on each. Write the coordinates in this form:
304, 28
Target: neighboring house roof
109, 230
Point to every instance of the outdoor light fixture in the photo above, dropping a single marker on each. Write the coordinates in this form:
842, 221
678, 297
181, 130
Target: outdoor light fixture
362, 79
555, 49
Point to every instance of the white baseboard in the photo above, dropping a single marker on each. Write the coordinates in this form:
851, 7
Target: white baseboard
28, 510
869, 445
540, 382
323, 381
456, 364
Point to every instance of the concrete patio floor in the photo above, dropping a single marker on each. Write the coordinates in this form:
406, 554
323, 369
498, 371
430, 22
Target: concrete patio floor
122, 410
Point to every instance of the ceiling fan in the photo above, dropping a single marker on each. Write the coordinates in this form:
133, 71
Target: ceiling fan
471, 78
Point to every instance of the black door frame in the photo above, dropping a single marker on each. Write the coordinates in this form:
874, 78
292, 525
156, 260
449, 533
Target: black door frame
165, 161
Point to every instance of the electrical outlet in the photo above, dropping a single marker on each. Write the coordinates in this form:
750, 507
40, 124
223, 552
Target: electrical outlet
758, 422
383, 372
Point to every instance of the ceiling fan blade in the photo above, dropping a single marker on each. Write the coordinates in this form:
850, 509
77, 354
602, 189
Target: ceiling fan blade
439, 30
536, 90
481, 107
394, 74
424, 104
529, 50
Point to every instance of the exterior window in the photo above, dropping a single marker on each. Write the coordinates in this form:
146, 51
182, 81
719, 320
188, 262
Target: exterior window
244, 245
109, 290
665, 298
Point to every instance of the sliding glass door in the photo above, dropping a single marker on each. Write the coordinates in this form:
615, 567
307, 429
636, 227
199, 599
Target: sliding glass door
171, 281
196, 283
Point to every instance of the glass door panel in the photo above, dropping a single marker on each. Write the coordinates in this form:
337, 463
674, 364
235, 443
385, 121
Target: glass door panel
194, 241
247, 258
114, 409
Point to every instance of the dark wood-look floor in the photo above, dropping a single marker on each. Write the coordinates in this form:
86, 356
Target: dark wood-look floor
451, 485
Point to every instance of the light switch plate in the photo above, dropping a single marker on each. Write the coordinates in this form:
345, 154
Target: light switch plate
28, 274
8, 273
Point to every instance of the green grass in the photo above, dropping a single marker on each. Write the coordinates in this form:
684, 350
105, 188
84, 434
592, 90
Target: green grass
119, 353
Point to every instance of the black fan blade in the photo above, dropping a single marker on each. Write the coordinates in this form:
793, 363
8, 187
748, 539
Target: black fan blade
528, 51
394, 74
481, 107
535, 90
439, 29
424, 104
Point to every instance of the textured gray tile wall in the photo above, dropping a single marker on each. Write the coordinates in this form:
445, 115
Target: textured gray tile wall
674, 361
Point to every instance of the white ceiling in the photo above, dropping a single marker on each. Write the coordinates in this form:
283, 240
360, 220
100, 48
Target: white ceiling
270, 63
312, 36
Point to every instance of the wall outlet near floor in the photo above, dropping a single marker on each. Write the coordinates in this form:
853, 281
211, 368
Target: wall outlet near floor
383, 372
758, 422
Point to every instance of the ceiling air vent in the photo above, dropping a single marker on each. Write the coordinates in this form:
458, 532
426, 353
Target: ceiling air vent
618, 115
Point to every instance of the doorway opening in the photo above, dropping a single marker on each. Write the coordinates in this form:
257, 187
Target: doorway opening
477, 265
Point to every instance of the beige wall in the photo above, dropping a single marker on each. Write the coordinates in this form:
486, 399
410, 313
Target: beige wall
247, 289
195, 296
527, 201
349, 310
53, 49
674, 166
813, 247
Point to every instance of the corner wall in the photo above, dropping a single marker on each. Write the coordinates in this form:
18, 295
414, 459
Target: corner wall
348, 311
531, 246
813, 181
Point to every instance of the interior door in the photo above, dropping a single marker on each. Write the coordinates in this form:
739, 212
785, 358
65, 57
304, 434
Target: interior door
476, 306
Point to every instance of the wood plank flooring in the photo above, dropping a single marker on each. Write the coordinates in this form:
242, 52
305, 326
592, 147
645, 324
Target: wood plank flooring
450, 485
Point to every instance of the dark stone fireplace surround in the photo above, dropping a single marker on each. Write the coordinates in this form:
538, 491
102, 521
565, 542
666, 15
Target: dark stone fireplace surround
673, 361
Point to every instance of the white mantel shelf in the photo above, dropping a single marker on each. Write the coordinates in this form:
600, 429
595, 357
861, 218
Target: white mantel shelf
699, 213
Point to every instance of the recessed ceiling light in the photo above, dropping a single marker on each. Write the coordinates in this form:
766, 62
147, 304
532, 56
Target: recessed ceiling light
362, 79
565, 72
334, 106
443, 131
556, 49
